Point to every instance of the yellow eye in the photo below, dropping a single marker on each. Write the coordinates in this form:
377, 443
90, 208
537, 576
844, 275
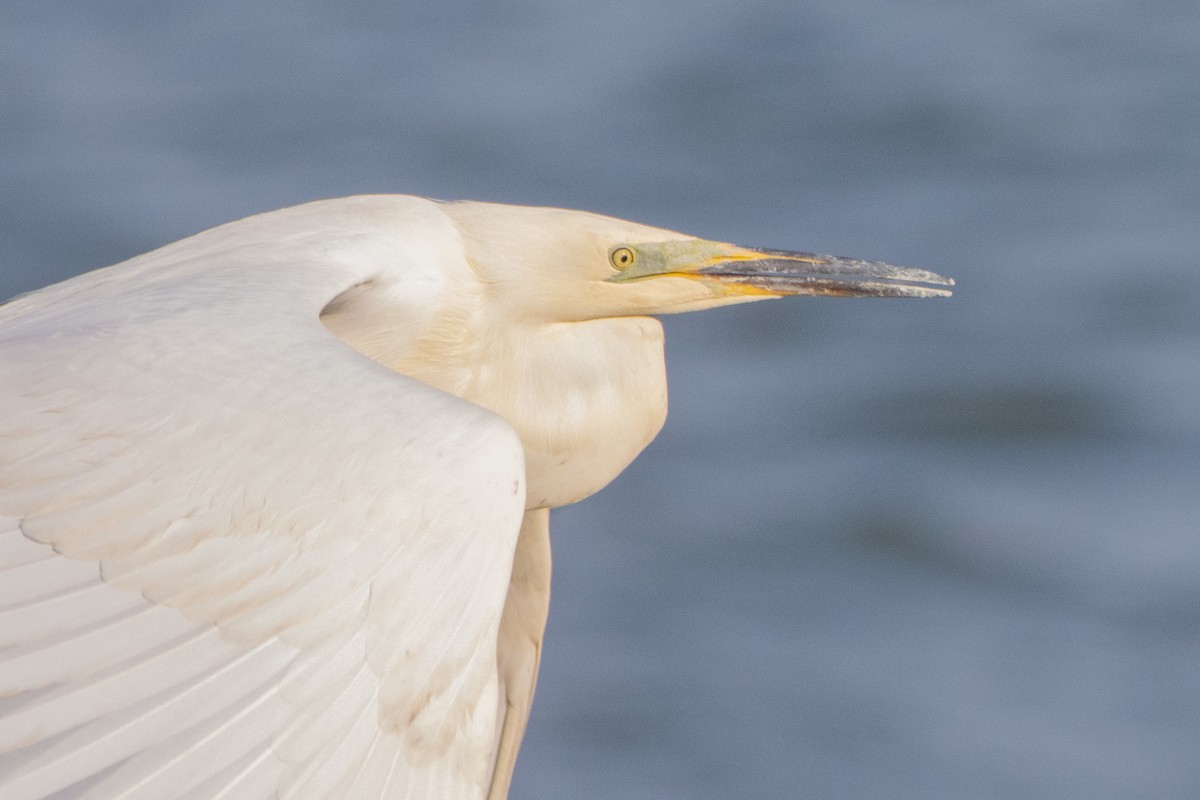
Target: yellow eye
622, 258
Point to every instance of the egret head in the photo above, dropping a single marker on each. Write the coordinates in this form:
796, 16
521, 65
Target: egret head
556, 265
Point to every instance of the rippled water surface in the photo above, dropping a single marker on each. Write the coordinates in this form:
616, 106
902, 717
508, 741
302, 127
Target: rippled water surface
882, 549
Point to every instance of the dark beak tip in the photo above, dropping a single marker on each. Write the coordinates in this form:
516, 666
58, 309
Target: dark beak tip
816, 273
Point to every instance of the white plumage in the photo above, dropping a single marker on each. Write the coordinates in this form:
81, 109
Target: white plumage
240, 559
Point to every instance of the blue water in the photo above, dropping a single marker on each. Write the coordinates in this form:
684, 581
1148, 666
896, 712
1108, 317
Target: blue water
882, 548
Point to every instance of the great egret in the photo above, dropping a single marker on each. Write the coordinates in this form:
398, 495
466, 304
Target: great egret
274, 498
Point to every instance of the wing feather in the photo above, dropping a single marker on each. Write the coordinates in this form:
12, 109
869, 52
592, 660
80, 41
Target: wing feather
70, 704
43, 578
239, 559
521, 631
254, 777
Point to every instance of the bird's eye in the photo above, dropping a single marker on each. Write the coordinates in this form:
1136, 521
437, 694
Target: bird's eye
622, 258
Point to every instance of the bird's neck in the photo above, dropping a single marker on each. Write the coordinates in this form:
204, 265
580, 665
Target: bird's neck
590, 396
585, 397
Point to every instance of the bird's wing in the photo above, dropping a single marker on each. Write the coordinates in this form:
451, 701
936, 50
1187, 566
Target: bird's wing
238, 559
520, 652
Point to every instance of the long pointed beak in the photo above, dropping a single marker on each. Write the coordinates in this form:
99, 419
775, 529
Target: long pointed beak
782, 272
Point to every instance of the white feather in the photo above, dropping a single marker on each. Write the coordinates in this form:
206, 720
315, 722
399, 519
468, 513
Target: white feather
218, 522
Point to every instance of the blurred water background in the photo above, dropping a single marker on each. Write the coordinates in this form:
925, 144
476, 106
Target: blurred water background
888, 549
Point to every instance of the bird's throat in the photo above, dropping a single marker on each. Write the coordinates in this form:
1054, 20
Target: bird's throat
584, 397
